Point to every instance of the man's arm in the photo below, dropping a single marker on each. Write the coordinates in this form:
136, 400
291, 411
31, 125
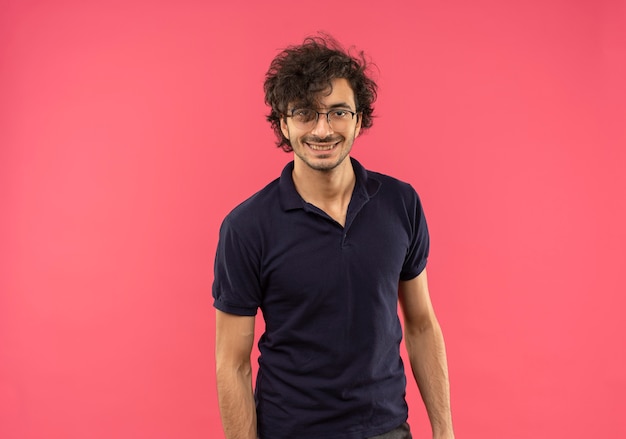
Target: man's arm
234, 336
427, 353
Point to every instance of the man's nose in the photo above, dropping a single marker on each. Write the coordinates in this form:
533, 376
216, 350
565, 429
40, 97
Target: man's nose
322, 127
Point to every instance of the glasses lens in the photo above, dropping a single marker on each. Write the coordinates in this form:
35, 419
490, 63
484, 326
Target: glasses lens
304, 117
339, 118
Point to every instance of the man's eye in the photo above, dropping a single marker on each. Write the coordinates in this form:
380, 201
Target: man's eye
339, 114
303, 114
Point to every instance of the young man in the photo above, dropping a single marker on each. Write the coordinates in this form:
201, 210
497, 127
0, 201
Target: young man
325, 251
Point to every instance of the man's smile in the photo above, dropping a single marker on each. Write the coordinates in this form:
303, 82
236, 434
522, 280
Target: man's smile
321, 146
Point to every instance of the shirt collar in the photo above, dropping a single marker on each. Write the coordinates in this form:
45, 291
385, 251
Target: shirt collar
366, 186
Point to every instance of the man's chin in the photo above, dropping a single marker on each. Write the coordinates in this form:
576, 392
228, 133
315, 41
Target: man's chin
323, 164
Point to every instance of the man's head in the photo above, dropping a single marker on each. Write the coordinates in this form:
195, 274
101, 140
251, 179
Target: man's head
300, 76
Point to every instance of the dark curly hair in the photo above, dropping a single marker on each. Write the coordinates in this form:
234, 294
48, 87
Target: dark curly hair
299, 73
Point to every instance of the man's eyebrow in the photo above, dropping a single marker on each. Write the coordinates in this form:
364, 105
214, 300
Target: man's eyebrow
340, 105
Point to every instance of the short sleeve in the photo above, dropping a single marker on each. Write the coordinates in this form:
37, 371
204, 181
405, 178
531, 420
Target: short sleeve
236, 286
417, 254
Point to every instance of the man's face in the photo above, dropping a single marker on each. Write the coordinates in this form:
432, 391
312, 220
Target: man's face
323, 146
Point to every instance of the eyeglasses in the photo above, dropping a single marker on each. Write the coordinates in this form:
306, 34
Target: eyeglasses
306, 118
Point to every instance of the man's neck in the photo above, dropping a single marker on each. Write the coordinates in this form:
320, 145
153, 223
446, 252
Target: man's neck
329, 190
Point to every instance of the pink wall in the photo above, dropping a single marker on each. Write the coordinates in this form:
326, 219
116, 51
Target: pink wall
128, 130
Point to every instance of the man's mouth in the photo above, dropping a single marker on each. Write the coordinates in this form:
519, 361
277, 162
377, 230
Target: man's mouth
322, 146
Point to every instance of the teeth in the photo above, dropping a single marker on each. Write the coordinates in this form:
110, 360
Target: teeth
321, 148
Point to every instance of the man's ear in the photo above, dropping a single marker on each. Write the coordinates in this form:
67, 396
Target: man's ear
357, 129
284, 128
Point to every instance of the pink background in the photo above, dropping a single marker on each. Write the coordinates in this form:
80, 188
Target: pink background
129, 129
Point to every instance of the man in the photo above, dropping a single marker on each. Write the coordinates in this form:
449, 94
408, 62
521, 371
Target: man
325, 251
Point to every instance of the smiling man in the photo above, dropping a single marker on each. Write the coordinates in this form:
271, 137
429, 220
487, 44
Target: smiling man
326, 251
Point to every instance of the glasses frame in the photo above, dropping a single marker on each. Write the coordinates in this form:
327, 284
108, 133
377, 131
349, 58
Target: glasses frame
327, 114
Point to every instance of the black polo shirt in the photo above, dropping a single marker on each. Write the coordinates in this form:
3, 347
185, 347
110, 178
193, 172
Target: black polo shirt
330, 363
